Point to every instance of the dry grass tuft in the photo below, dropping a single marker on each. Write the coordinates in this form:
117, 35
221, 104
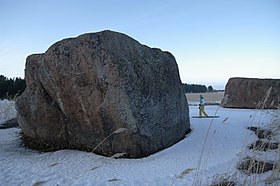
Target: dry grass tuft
118, 155
261, 133
223, 180
39, 183
114, 179
185, 172
251, 166
261, 145
119, 130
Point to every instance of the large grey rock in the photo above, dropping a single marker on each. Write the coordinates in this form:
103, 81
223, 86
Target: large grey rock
83, 89
252, 93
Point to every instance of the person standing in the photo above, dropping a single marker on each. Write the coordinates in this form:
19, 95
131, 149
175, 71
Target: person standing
201, 107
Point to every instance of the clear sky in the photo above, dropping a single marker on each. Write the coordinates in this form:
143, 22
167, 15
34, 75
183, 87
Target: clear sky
212, 40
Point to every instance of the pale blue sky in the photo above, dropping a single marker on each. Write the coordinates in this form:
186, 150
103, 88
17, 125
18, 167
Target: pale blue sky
212, 40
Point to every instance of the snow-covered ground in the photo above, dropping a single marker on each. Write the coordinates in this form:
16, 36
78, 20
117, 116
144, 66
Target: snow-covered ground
7, 110
214, 147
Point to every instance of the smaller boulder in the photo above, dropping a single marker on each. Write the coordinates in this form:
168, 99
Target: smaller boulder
252, 93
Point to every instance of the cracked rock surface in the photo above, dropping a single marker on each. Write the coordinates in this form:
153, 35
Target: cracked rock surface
83, 89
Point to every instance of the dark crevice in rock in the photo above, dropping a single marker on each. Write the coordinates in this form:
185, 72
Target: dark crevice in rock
51, 102
46, 95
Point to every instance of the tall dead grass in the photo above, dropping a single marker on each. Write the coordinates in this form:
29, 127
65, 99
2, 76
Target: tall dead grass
249, 167
252, 166
197, 176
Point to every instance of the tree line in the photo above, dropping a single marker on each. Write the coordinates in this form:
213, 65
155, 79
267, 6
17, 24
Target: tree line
193, 88
11, 87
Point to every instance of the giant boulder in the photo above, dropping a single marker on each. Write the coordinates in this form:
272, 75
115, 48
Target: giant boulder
103, 92
252, 93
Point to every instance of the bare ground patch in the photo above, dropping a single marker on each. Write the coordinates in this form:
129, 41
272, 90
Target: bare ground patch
209, 97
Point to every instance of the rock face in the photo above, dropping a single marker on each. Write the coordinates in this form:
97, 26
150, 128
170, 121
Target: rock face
252, 93
84, 89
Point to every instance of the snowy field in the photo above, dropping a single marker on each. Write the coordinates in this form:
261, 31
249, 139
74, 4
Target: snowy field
211, 150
